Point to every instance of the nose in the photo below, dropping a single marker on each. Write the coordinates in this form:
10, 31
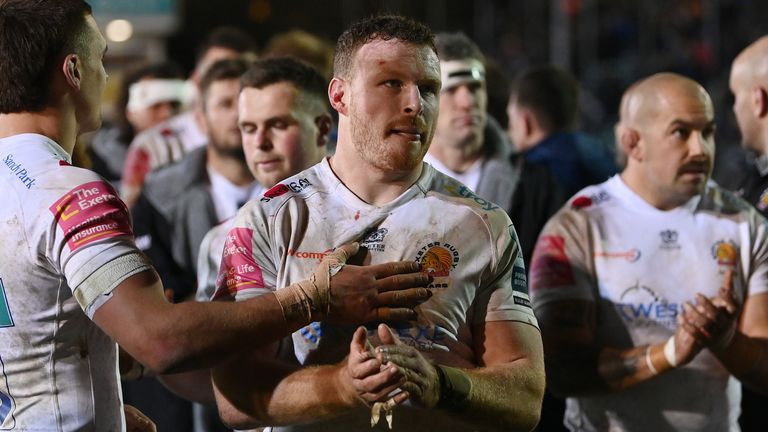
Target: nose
262, 140
464, 97
698, 144
413, 100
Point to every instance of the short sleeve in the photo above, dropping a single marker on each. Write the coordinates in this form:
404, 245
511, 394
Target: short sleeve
506, 295
91, 229
246, 269
561, 267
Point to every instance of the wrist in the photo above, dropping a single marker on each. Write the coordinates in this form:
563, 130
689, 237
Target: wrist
656, 358
455, 388
348, 395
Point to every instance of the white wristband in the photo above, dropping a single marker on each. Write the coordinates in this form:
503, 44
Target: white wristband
649, 361
669, 352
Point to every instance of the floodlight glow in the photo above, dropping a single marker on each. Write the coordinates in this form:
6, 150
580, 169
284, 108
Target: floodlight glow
119, 30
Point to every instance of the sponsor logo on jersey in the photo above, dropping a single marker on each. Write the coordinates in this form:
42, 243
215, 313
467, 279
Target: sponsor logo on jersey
6, 320
91, 212
725, 252
438, 259
669, 240
308, 254
374, 240
312, 333
465, 192
584, 201
519, 281
19, 171
283, 188
631, 255
642, 306
422, 337
550, 266
238, 269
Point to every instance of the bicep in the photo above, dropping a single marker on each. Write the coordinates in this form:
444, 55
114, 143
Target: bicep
130, 309
499, 342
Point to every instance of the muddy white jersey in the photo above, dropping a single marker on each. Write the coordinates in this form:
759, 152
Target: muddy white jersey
639, 265
465, 242
60, 225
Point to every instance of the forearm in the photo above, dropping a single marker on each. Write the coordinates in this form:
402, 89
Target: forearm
747, 359
191, 335
506, 396
281, 396
609, 370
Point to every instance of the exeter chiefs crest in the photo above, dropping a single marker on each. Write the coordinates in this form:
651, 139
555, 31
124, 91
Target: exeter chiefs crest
438, 259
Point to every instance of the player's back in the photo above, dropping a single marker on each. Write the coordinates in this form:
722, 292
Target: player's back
58, 367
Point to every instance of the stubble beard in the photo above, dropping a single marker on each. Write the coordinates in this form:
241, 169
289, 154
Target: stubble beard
377, 153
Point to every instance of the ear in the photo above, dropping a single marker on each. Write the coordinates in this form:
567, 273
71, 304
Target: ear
760, 102
336, 93
71, 70
629, 140
324, 123
529, 122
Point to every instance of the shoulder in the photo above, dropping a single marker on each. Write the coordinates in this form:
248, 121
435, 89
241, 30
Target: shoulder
459, 199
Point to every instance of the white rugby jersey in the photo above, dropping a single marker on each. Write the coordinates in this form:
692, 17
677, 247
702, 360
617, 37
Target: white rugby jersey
59, 224
467, 243
640, 264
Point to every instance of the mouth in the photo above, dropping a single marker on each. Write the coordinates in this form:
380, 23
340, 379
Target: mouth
410, 134
267, 164
468, 120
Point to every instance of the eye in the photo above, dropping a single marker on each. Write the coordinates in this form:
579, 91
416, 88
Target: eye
428, 89
709, 131
681, 133
247, 128
280, 124
393, 83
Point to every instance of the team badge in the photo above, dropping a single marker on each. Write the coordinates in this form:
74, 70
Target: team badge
438, 259
725, 252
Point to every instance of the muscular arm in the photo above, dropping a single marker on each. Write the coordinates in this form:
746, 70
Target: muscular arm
577, 364
169, 337
746, 357
259, 390
177, 337
508, 388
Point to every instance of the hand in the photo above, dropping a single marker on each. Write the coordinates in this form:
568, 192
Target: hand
366, 377
422, 382
712, 321
136, 421
380, 292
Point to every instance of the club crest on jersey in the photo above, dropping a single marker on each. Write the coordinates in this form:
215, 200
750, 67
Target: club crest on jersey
438, 259
374, 240
725, 252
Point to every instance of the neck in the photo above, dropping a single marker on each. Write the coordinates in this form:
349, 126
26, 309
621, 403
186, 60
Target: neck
372, 185
645, 189
457, 158
50, 123
231, 168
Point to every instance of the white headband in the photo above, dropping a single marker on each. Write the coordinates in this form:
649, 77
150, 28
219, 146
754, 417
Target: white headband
455, 72
146, 93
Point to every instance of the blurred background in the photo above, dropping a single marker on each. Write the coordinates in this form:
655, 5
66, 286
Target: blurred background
606, 44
